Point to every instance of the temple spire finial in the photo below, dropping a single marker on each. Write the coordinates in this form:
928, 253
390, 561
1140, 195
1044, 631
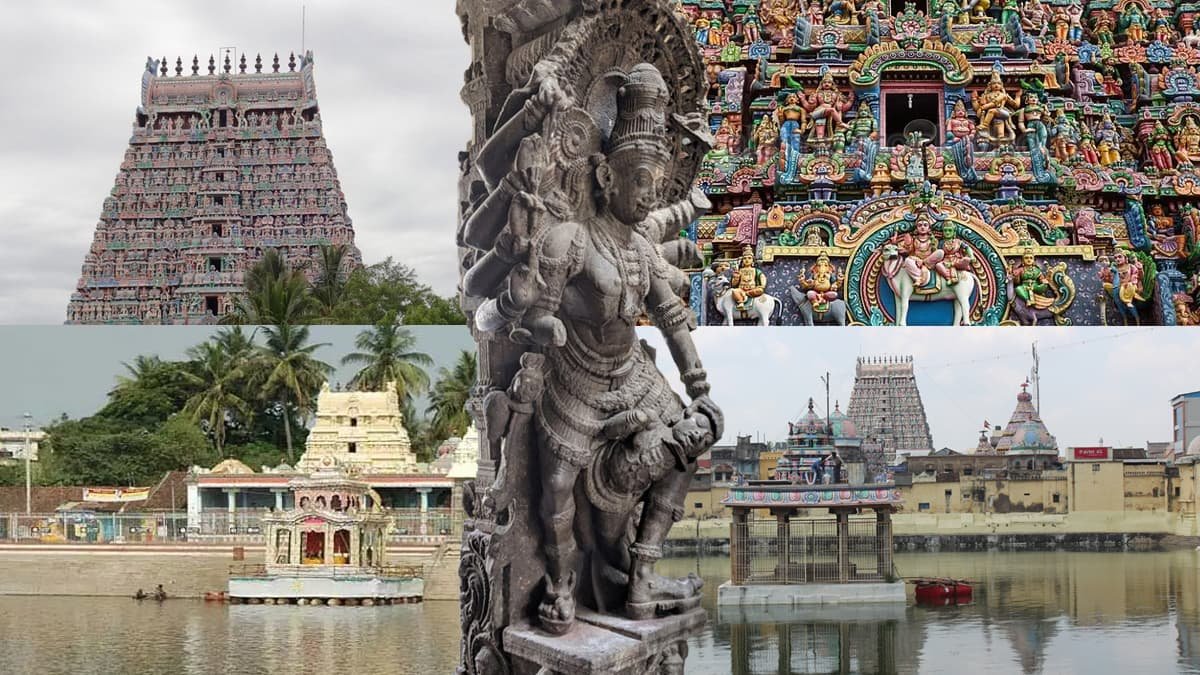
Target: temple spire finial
212, 65
275, 63
163, 69
258, 63
195, 64
242, 64
178, 66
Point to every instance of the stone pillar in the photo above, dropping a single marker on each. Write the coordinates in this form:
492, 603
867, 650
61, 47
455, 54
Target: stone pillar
883, 541
783, 537
843, 546
739, 545
278, 500
328, 544
194, 505
231, 500
424, 492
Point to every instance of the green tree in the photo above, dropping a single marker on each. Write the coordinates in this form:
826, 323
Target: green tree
330, 286
99, 451
219, 380
288, 375
449, 399
386, 355
372, 293
419, 432
275, 294
154, 390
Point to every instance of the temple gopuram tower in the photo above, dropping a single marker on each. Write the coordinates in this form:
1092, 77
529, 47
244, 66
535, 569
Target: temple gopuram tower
221, 166
885, 405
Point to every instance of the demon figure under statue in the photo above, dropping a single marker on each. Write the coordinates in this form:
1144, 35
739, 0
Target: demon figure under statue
572, 211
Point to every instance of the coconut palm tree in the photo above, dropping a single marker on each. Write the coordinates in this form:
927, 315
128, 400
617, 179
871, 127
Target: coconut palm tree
449, 400
330, 284
275, 294
288, 375
141, 368
218, 376
386, 355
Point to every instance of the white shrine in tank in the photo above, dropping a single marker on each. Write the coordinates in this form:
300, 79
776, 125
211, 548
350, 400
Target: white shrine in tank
331, 547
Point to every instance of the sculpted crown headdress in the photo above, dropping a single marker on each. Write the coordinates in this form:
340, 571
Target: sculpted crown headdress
641, 114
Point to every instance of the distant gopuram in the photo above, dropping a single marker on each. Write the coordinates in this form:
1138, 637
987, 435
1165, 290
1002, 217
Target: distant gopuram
221, 166
885, 405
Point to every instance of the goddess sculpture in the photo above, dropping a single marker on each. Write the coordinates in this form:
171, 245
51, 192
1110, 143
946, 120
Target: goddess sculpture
606, 417
791, 116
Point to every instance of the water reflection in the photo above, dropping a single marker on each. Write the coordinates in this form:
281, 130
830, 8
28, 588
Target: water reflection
1032, 613
1043, 612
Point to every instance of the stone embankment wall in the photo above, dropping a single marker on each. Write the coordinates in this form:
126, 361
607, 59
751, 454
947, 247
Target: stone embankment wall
1083, 531
113, 574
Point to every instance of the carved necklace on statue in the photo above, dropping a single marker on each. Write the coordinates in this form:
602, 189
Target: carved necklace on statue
627, 259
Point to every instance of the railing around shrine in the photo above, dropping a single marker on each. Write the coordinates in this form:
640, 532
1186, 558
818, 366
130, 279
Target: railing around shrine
773, 551
389, 571
244, 526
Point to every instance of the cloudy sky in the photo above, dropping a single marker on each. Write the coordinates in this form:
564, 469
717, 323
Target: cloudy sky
1114, 383
1096, 382
387, 76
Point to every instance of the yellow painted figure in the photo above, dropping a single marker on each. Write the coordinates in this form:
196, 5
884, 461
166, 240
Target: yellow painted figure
748, 281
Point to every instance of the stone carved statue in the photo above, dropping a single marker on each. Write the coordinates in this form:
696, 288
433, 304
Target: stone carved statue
569, 236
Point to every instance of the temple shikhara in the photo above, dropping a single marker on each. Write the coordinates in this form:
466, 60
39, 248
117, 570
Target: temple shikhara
221, 166
965, 162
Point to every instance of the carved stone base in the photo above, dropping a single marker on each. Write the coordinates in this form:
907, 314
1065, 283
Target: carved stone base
605, 644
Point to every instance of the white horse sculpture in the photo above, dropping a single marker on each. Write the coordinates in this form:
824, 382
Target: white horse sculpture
904, 287
762, 308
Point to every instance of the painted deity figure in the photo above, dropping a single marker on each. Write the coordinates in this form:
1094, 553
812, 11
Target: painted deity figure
766, 139
813, 237
863, 126
1112, 79
1129, 270
1062, 23
1108, 140
1102, 29
1187, 143
1030, 282
820, 283
604, 410
792, 118
1075, 32
1134, 23
958, 255
748, 281
995, 108
1164, 32
842, 13
1031, 121
1065, 137
1159, 150
1087, 148
825, 106
921, 252
751, 26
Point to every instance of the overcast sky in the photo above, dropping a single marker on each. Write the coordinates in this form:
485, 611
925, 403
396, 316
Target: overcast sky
387, 77
1114, 383
1096, 382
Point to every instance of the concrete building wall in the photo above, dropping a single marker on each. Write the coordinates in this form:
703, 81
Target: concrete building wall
705, 503
1096, 486
1145, 487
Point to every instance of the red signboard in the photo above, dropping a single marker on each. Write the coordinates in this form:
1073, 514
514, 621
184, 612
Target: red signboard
1090, 453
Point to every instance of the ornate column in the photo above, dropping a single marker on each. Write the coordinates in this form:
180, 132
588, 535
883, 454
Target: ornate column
278, 499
